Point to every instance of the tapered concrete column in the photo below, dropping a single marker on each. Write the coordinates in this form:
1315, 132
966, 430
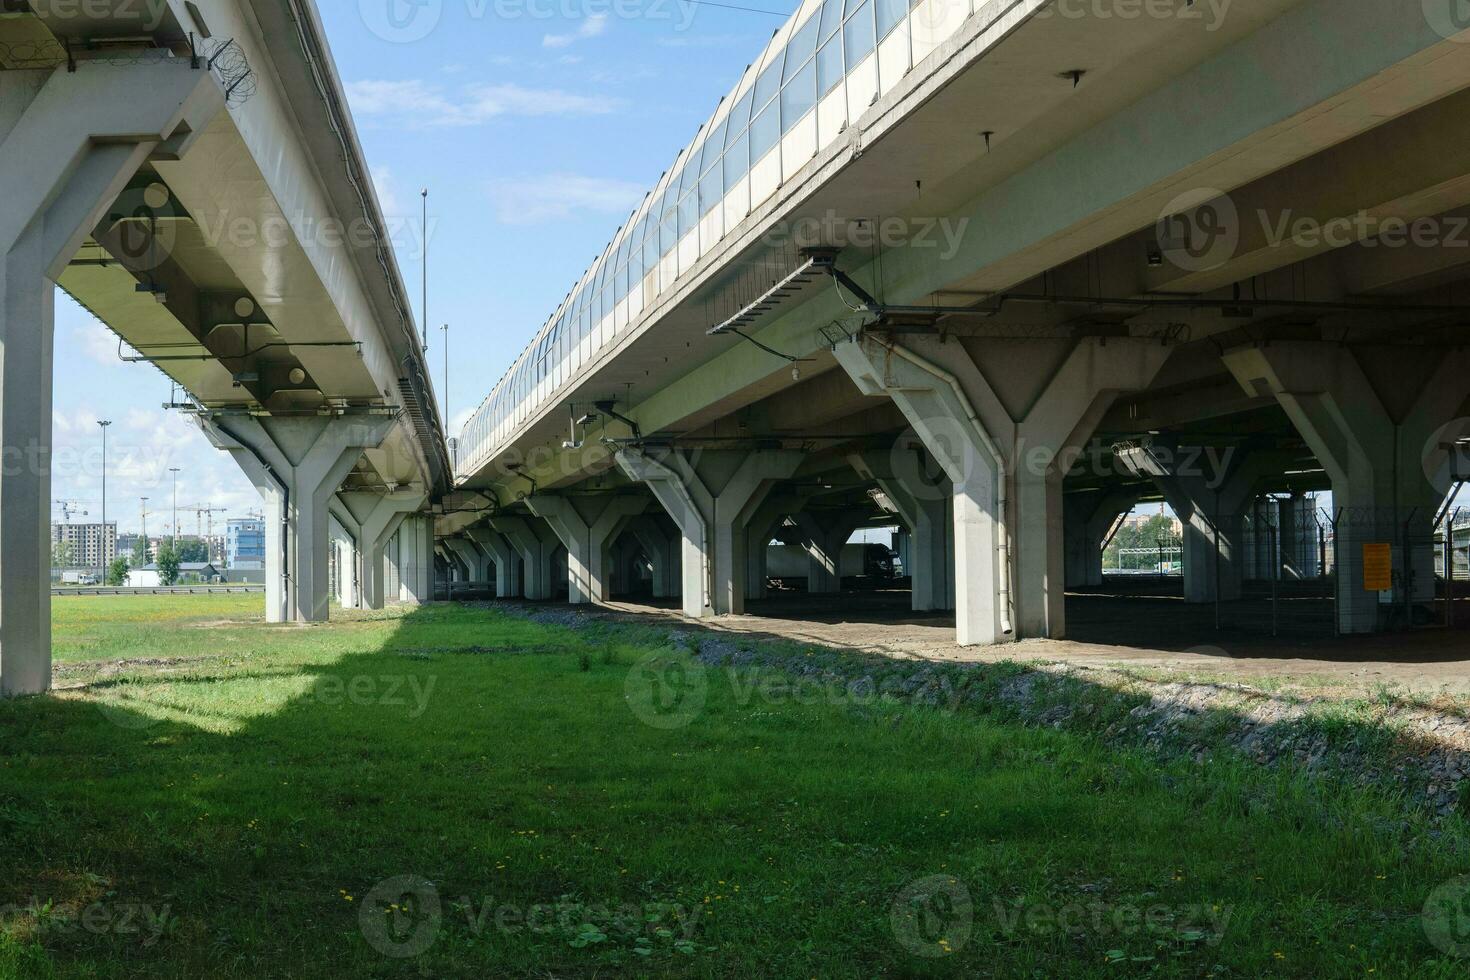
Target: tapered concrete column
661, 545
1383, 422
587, 525
373, 519
344, 557
823, 536
416, 560
297, 464
922, 497
759, 531
711, 499
475, 561
535, 542
1089, 517
1209, 491
1005, 419
625, 551
507, 560
69, 144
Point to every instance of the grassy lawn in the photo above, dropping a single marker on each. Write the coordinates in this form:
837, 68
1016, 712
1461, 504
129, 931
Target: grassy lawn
455, 792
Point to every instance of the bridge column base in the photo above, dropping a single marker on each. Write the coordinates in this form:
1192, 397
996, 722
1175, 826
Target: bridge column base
823, 536
69, 144
415, 560
1209, 493
711, 502
345, 557
1385, 424
1088, 518
476, 561
923, 500
535, 542
587, 526
506, 560
1005, 464
373, 520
662, 548
297, 464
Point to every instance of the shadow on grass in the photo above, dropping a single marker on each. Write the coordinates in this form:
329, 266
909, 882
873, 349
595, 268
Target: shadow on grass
472, 795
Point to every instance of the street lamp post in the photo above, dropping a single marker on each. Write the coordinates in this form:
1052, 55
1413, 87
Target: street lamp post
175, 471
102, 548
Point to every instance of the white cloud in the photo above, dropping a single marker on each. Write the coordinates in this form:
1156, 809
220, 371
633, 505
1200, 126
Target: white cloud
590, 27
414, 102
387, 190
528, 200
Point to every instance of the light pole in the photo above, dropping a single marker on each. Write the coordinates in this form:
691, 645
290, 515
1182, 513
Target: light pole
103, 424
446, 379
175, 471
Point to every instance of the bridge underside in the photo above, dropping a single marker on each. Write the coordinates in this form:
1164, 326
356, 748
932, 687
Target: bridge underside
211, 211
1181, 280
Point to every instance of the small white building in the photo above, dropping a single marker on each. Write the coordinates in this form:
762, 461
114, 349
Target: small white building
190, 573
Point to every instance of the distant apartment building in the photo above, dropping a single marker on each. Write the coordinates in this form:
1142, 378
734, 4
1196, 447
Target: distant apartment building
90, 545
245, 543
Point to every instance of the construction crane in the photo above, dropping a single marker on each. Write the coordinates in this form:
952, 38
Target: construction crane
204, 526
70, 507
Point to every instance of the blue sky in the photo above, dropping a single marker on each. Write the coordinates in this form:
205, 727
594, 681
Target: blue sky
537, 125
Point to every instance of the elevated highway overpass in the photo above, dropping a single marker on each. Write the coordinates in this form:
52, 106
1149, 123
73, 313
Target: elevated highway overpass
996, 270
190, 174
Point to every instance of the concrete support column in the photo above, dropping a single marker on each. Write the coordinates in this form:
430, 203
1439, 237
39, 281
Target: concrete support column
1089, 517
587, 526
506, 559
1384, 423
823, 536
759, 531
923, 498
711, 499
416, 560
1209, 491
535, 542
625, 564
661, 545
1005, 419
69, 143
475, 560
344, 556
374, 519
297, 464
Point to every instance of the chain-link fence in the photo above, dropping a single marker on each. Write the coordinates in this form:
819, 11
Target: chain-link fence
1292, 569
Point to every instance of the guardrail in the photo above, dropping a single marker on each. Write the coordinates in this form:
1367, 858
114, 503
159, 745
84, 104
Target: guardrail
156, 590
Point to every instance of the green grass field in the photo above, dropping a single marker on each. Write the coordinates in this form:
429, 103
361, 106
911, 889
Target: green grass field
454, 792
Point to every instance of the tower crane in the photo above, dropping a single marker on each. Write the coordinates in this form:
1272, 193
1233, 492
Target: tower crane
70, 507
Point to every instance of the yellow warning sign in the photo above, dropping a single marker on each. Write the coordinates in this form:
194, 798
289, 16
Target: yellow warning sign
1377, 567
